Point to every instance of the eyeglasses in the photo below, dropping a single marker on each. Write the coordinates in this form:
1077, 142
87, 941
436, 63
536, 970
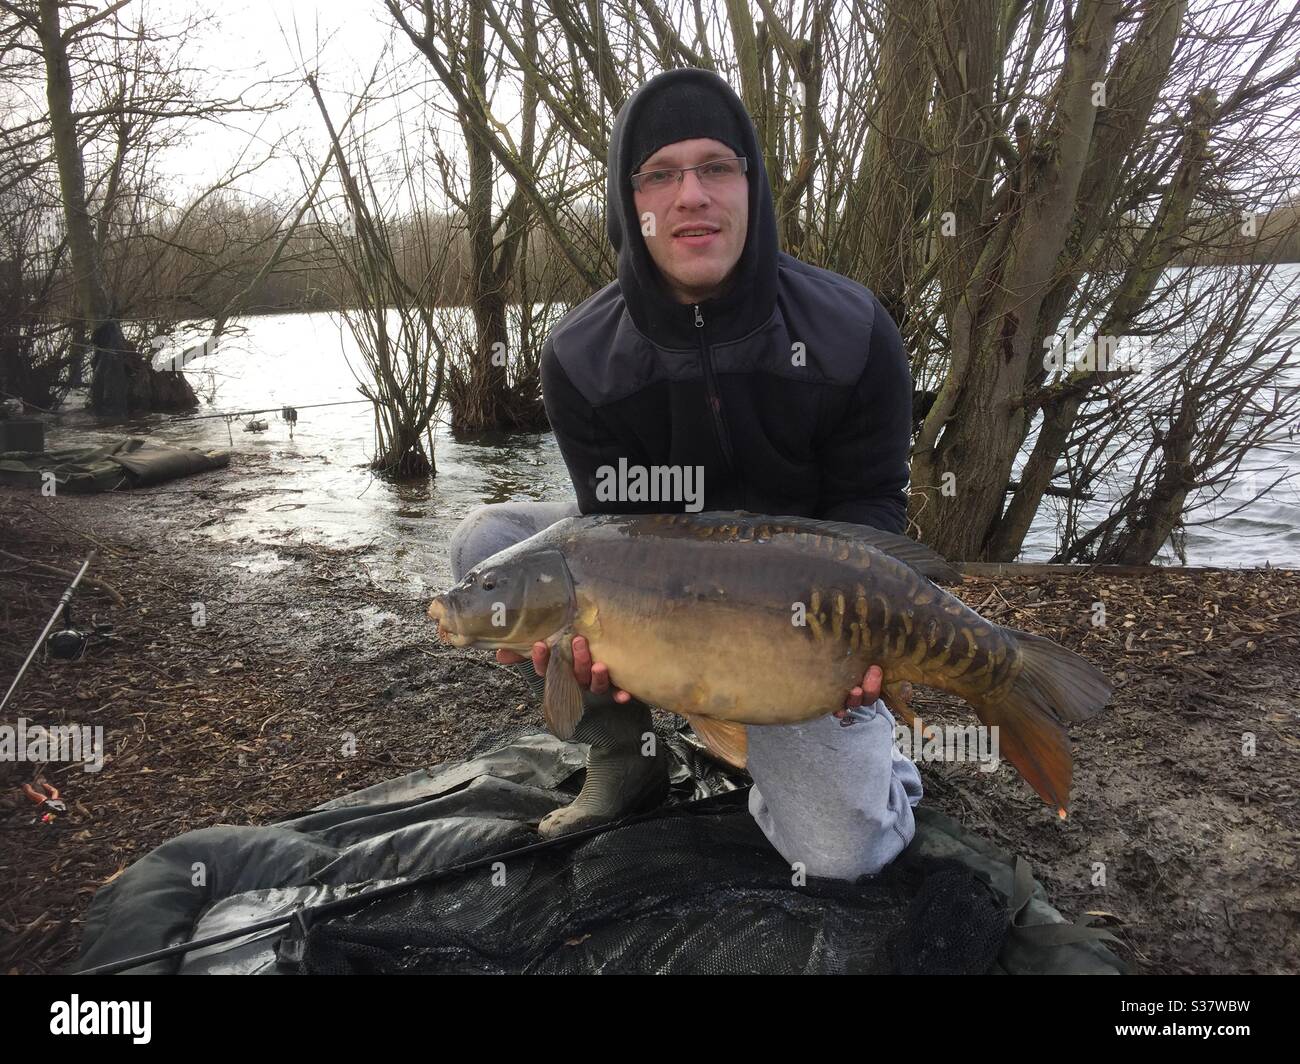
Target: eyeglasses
716, 173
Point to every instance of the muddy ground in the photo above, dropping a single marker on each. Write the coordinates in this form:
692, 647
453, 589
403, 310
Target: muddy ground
246, 718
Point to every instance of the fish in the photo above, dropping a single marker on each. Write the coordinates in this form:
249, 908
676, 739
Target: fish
733, 619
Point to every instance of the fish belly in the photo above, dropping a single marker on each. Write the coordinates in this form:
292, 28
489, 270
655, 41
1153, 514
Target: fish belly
757, 674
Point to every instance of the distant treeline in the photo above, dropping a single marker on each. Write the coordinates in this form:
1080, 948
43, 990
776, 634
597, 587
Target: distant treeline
196, 268
1275, 238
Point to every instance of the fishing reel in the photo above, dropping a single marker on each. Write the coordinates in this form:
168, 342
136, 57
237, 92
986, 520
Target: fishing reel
69, 643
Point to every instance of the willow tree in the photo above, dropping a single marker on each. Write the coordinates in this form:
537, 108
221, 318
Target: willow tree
1031, 193
1007, 174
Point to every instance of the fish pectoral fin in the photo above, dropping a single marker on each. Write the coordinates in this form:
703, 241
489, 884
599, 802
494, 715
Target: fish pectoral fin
726, 739
562, 700
898, 697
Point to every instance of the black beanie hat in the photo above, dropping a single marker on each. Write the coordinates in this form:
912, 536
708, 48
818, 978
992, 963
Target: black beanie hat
683, 110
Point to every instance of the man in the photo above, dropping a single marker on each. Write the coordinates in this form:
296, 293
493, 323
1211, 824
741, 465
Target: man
788, 388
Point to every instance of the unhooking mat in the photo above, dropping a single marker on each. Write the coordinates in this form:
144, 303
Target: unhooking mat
129, 463
692, 887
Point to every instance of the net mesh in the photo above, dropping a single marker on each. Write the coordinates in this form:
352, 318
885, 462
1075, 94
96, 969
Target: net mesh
688, 892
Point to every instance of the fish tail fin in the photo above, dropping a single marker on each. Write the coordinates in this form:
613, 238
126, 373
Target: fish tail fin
1059, 679
1054, 685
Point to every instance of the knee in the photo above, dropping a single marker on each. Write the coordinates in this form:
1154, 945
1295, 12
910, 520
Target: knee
477, 518
483, 532
491, 528
841, 839
460, 547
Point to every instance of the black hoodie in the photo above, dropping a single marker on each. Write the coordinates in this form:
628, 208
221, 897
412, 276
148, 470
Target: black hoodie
818, 430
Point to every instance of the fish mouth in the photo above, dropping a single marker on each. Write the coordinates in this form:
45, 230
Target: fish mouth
449, 638
438, 611
441, 612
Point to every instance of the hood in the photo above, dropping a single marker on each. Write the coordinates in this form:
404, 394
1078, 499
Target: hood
752, 297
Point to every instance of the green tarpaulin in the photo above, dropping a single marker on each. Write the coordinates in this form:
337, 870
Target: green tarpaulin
128, 463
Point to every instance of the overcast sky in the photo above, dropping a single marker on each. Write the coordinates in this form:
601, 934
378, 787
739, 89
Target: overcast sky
258, 41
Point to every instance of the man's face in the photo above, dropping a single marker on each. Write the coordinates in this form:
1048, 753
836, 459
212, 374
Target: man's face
694, 268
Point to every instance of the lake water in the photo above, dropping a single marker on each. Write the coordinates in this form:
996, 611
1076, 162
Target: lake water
325, 494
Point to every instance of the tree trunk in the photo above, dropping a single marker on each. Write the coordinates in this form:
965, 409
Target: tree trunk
1154, 253
486, 406
895, 169
1161, 512
129, 383
1141, 70
968, 444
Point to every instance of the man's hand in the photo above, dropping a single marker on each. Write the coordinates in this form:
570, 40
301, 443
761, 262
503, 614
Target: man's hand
592, 675
860, 696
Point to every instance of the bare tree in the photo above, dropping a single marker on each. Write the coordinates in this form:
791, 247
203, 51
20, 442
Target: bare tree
455, 43
393, 320
113, 89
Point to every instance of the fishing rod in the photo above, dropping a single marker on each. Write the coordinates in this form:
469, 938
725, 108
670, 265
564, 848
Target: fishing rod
289, 414
266, 410
73, 643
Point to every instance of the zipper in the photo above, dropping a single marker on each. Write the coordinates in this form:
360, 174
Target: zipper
711, 390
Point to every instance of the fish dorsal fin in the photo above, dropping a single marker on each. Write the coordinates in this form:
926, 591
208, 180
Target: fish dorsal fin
562, 699
927, 562
725, 739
